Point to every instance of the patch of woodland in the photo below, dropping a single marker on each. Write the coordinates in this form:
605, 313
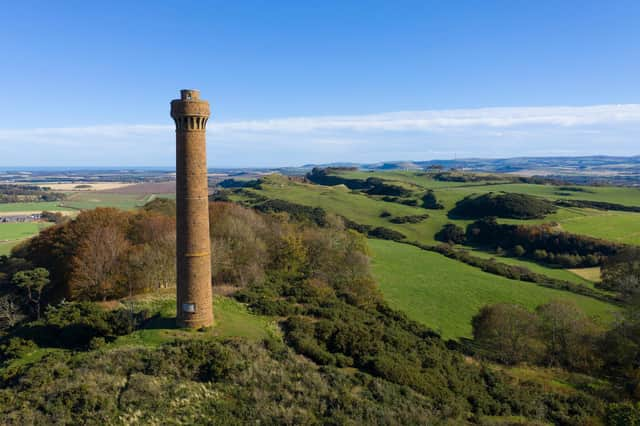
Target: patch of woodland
621, 273
457, 176
27, 193
543, 243
504, 205
240, 183
371, 185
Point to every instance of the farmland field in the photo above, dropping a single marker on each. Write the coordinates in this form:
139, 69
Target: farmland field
557, 273
12, 233
445, 294
32, 207
126, 198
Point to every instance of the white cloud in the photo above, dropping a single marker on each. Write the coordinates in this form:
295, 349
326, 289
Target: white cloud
436, 120
480, 132
447, 119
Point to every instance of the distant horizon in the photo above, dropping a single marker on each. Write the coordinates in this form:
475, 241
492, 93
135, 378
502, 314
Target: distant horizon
171, 168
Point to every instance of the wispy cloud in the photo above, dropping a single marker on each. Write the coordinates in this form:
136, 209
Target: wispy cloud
446, 119
435, 120
480, 132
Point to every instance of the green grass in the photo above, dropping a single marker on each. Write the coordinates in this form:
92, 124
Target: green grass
356, 207
557, 273
232, 319
32, 207
12, 233
618, 195
445, 294
5, 248
616, 226
19, 231
621, 227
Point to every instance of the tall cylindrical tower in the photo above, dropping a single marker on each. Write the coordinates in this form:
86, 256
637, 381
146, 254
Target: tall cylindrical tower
193, 245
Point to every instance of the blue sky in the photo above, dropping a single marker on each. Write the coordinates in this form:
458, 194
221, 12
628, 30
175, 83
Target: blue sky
89, 83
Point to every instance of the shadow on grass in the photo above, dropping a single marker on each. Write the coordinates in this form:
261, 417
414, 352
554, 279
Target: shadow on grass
159, 322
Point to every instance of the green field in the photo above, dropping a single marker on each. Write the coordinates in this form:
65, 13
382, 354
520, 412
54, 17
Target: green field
87, 200
445, 294
356, 207
557, 273
12, 233
618, 195
621, 227
32, 207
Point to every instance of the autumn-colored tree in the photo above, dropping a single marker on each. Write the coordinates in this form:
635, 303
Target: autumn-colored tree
98, 261
507, 332
569, 336
239, 240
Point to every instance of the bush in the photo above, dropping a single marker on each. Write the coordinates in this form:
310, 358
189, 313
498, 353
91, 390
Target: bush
297, 211
429, 201
519, 251
451, 233
16, 347
410, 219
623, 414
76, 325
409, 202
386, 234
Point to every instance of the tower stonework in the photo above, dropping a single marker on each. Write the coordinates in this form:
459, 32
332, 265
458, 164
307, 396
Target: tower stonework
194, 303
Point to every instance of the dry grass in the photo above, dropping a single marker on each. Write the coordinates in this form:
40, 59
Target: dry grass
591, 274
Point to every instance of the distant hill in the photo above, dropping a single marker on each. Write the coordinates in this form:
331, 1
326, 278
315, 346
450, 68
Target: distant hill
590, 169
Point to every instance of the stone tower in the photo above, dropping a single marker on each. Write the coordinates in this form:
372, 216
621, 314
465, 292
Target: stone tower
193, 245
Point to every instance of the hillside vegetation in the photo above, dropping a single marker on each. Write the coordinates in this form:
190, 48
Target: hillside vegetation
511, 206
362, 361
445, 294
336, 305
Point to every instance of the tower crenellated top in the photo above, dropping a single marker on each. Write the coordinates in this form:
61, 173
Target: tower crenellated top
189, 94
190, 113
